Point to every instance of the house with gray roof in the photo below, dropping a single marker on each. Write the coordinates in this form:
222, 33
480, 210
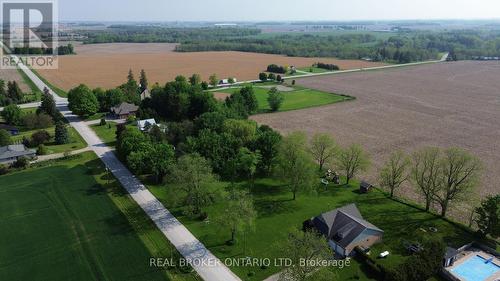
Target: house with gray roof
10, 153
124, 110
345, 229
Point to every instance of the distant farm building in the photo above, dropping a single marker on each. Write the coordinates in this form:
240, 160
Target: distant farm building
145, 125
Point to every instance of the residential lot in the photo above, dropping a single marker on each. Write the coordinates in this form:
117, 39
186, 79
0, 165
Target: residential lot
447, 104
13, 75
69, 221
107, 65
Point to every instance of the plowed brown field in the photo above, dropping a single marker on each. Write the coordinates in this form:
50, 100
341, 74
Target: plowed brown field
447, 104
106, 65
12, 75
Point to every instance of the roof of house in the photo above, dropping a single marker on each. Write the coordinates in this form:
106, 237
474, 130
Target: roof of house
14, 150
8, 127
364, 184
145, 94
450, 252
124, 108
143, 123
343, 225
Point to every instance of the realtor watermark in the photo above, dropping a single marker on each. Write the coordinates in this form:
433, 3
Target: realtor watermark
29, 34
247, 262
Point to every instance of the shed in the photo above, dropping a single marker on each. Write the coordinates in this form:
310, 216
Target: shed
365, 187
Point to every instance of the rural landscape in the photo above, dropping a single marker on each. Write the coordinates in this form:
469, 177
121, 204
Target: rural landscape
282, 148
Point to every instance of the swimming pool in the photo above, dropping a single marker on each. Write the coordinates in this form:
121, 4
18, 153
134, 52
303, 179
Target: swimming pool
475, 269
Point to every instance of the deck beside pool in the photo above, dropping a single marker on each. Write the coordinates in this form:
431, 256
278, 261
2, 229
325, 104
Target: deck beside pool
466, 257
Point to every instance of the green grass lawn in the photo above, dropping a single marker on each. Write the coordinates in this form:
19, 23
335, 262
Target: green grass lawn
277, 214
76, 141
66, 222
106, 133
298, 99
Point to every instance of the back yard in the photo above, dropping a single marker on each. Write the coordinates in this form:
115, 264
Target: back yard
277, 214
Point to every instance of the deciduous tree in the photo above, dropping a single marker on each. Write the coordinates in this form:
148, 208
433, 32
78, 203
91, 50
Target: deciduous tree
5, 138
239, 214
488, 216
395, 171
459, 175
275, 99
295, 164
323, 148
82, 101
425, 173
12, 114
352, 160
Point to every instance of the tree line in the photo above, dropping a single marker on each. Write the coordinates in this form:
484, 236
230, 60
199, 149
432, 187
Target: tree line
60, 50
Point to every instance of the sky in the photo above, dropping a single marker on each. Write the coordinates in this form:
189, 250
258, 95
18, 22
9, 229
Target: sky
275, 10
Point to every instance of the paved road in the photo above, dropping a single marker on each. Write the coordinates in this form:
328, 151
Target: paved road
27, 105
308, 74
207, 265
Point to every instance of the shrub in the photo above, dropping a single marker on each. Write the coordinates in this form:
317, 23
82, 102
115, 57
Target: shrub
102, 122
21, 163
4, 169
37, 121
271, 76
276, 69
42, 150
12, 114
39, 137
262, 76
4, 138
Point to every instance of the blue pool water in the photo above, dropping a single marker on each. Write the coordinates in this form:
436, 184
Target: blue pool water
475, 269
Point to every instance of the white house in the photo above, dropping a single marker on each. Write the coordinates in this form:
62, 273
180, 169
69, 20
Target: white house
144, 125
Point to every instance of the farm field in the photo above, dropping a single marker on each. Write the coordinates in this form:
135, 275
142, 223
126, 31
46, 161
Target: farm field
14, 75
446, 104
68, 221
277, 214
107, 65
295, 97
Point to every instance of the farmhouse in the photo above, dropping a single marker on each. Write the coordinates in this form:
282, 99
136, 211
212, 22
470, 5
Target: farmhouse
124, 110
11, 153
345, 229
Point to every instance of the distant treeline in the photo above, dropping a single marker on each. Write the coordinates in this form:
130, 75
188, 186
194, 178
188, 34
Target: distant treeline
149, 34
61, 50
401, 48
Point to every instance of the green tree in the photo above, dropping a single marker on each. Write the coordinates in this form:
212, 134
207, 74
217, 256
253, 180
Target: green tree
82, 101
248, 162
42, 150
12, 114
267, 142
295, 164
243, 130
213, 80
395, 171
48, 105
61, 133
5, 138
143, 81
306, 249
323, 148
195, 79
275, 99
271, 76
239, 213
250, 99
231, 80
161, 160
263, 76
352, 160
460, 172
193, 180
488, 216
425, 173
14, 92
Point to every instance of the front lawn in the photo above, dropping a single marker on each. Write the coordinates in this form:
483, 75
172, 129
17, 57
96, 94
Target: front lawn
107, 133
75, 140
68, 220
299, 98
277, 214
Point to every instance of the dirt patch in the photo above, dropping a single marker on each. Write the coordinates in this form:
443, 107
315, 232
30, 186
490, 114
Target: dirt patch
106, 65
12, 75
444, 105
221, 96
